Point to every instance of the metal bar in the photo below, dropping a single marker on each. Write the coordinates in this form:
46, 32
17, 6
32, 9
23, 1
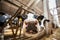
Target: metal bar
18, 23
18, 11
12, 18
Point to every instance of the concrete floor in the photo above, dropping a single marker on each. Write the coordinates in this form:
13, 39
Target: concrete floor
54, 36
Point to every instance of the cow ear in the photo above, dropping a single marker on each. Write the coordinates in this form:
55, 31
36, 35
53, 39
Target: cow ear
40, 17
24, 16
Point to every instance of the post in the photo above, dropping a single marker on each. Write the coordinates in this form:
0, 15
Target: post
45, 7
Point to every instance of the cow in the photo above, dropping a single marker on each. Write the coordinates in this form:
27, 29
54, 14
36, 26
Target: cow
3, 19
32, 24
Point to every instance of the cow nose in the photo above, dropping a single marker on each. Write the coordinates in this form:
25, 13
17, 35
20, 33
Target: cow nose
26, 23
35, 22
31, 28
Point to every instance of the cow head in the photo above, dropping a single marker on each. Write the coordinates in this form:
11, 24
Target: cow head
32, 23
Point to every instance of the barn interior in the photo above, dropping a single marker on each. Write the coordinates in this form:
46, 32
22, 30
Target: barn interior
12, 18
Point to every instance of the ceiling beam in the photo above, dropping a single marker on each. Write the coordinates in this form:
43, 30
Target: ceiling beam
15, 5
29, 4
36, 2
39, 9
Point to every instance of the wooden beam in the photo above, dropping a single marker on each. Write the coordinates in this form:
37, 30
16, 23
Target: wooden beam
37, 1
16, 5
39, 9
30, 3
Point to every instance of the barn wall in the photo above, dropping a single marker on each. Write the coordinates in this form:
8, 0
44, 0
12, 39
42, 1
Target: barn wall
58, 8
0, 5
8, 8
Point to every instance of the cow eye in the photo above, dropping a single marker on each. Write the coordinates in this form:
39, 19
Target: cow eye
26, 23
36, 23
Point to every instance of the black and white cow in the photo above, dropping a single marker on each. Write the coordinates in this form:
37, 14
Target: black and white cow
32, 23
3, 19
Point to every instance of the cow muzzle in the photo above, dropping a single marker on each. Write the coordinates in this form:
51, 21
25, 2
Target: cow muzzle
31, 28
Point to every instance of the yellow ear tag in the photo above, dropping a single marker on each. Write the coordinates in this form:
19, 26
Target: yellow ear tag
20, 19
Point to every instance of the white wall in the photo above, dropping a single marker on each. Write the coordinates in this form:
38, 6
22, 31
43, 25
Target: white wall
53, 10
